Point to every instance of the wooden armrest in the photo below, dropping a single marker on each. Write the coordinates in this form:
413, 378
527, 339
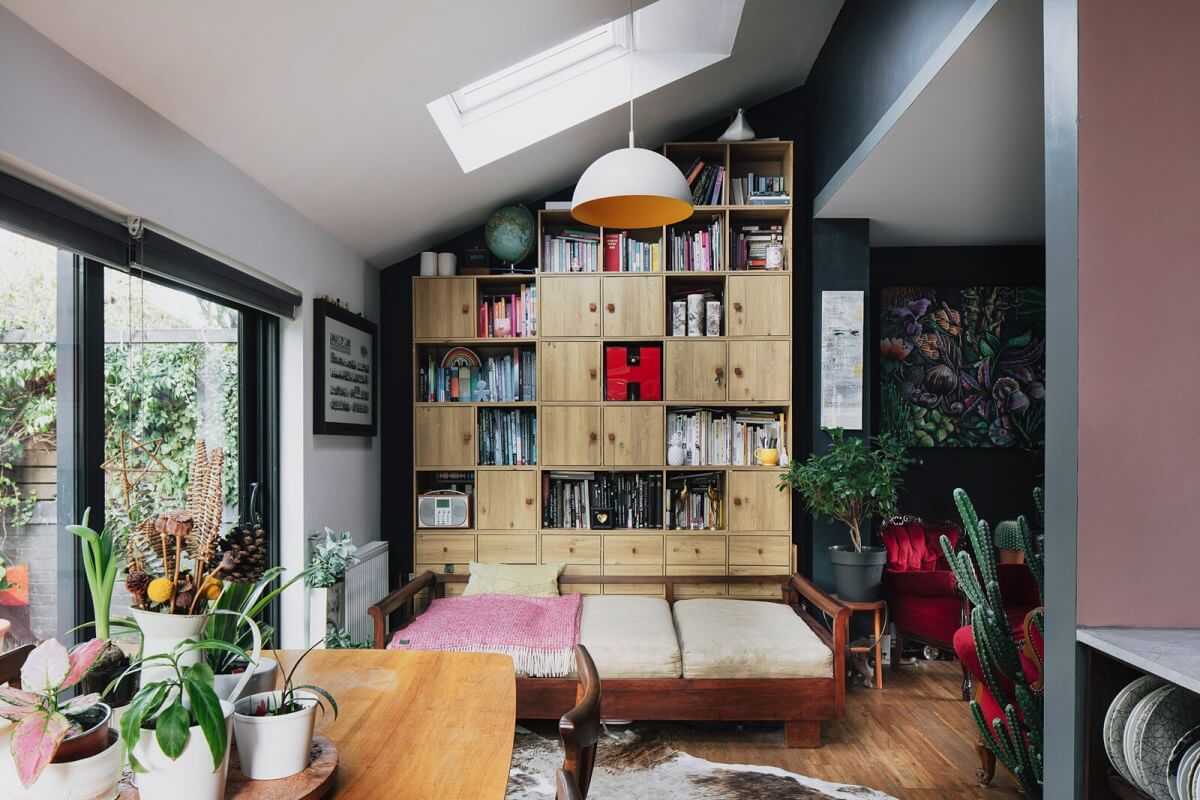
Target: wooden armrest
394, 601
839, 615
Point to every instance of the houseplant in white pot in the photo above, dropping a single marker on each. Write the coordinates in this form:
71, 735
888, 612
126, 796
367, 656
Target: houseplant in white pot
250, 601
326, 575
851, 484
176, 732
57, 749
274, 730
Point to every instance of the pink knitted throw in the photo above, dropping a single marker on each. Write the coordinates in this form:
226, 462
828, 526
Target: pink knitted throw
540, 633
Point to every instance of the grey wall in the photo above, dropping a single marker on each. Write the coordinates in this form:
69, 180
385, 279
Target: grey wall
65, 125
873, 53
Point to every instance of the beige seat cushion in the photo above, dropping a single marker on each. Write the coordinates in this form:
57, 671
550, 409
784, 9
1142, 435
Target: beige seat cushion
747, 639
630, 636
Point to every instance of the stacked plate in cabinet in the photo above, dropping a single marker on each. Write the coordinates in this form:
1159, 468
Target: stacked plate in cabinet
1152, 737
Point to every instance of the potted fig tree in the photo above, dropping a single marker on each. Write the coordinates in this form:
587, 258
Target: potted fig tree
852, 483
57, 749
274, 730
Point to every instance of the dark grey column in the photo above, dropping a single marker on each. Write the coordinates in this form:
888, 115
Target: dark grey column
841, 261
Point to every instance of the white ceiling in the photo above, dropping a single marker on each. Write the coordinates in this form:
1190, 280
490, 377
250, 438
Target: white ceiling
964, 165
324, 103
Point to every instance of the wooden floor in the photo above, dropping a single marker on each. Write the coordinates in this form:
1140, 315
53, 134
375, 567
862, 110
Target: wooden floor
914, 739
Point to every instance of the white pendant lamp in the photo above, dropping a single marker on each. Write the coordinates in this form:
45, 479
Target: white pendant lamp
632, 187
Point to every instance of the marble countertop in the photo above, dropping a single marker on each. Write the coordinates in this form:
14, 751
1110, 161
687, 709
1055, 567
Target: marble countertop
1170, 653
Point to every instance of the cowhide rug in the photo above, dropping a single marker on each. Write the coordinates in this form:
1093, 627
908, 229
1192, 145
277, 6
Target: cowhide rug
642, 764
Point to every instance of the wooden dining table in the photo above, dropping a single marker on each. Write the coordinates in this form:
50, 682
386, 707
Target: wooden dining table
416, 724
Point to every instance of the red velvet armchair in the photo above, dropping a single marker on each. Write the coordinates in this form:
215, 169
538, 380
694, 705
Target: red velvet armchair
922, 593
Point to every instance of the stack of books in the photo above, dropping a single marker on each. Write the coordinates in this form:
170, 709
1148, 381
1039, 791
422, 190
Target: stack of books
706, 182
512, 314
623, 254
507, 437
697, 249
627, 500
696, 502
750, 249
501, 379
715, 438
634, 499
573, 250
449, 481
566, 499
759, 190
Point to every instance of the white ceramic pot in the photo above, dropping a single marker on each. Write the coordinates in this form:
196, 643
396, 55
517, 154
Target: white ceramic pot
262, 679
191, 775
274, 747
93, 778
162, 633
429, 260
447, 264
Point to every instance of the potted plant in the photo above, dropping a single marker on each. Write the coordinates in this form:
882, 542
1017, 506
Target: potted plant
100, 564
57, 749
274, 730
326, 576
249, 601
176, 732
851, 483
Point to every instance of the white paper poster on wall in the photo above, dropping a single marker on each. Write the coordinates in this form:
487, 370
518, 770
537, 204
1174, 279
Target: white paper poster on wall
348, 374
842, 316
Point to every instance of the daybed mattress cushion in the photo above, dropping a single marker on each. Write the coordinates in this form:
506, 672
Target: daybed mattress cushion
746, 639
629, 636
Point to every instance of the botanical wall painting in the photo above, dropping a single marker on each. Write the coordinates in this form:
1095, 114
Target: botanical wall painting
964, 367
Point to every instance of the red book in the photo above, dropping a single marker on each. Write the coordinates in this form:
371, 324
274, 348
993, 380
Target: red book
695, 171
483, 325
612, 252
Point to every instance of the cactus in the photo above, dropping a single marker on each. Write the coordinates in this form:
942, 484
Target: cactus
1017, 739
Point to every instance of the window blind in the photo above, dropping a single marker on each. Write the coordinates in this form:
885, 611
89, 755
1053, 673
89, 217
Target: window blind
43, 215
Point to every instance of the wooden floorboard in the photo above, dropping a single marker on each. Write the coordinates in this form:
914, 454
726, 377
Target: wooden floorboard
914, 739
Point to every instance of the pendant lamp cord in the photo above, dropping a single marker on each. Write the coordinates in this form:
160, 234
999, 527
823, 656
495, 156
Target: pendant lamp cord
632, 50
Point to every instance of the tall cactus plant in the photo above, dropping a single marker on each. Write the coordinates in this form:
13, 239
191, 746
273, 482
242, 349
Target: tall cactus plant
1016, 740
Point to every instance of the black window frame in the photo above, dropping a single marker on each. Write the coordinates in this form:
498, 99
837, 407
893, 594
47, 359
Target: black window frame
80, 419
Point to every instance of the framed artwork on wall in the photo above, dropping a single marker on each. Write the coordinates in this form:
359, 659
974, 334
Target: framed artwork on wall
964, 366
345, 375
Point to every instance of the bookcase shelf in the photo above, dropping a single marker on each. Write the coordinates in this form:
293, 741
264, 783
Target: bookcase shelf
746, 367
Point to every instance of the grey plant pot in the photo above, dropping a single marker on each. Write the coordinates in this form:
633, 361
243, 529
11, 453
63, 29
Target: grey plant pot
857, 576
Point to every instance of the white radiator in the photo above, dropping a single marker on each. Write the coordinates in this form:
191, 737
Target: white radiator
366, 584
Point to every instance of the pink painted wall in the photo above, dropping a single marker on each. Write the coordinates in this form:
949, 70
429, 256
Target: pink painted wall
1139, 313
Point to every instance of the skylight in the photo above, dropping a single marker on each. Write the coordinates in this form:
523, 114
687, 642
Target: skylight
583, 77
549, 68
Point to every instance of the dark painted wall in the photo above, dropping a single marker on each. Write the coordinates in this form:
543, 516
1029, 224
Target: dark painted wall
841, 261
999, 481
872, 53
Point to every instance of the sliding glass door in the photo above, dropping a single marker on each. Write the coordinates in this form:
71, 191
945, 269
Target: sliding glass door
107, 382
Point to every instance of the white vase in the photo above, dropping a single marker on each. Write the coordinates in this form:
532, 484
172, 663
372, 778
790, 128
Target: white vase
92, 778
273, 747
676, 455
262, 679
191, 775
162, 633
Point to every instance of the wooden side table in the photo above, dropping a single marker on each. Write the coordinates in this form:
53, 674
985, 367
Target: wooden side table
876, 607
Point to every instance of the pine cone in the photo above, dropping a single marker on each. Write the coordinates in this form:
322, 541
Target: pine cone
246, 553
137, 582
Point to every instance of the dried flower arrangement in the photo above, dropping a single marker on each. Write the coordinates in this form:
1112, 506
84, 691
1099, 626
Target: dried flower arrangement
178, 561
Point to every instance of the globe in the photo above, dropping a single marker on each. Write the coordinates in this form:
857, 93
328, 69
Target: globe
509, 234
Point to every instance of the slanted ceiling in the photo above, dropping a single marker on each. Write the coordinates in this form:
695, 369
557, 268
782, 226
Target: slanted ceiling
324, 103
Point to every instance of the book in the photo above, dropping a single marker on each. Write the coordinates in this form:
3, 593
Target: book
507, 437
693, 249
503, 315
716, 437
632, 500
697, 501
572, 250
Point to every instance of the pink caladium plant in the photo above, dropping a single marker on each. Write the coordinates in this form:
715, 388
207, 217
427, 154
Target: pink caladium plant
40, 718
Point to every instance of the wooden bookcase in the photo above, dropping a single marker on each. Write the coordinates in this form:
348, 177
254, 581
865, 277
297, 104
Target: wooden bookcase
749, 366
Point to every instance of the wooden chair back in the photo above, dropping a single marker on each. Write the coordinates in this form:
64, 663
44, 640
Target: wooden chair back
564, 786
579, 728
11, 663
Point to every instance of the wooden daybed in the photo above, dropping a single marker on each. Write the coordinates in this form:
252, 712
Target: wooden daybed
802, 704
